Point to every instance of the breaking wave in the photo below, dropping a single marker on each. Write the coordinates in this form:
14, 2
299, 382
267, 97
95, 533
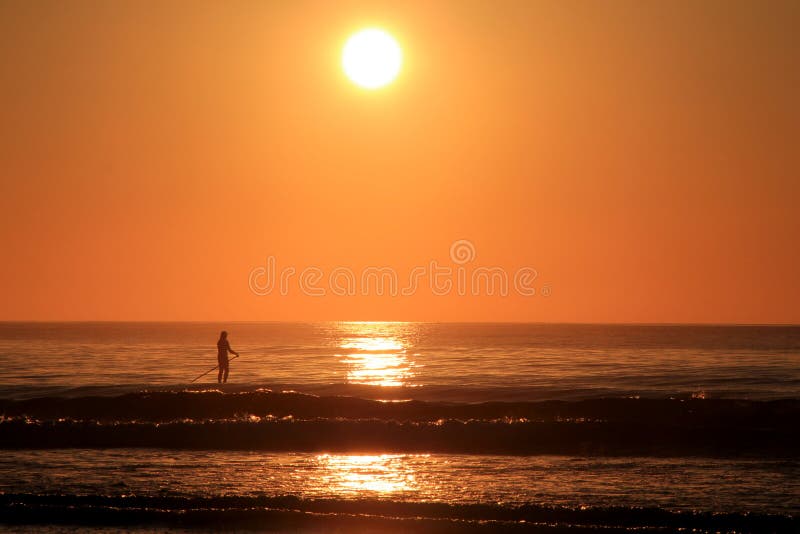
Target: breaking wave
288, 421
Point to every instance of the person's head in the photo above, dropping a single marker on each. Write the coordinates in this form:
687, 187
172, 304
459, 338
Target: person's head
223, 335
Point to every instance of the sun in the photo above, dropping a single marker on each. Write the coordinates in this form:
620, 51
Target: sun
371, 58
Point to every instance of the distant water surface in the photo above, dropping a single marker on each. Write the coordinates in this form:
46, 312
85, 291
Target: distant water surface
448, 361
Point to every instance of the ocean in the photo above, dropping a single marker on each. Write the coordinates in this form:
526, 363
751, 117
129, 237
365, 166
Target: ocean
400, 426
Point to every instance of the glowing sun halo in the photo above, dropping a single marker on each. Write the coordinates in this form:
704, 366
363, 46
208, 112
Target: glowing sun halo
371, 58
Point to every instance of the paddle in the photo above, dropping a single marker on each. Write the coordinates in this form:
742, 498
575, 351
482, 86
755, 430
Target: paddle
213, 368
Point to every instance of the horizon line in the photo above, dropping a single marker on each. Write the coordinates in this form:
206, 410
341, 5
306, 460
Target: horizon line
299, 321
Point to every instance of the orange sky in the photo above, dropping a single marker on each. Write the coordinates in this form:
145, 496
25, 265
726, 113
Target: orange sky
641, 156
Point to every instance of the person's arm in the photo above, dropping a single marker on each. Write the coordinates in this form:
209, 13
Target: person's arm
231, 350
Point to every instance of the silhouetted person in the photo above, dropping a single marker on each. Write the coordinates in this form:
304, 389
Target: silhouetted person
223, 348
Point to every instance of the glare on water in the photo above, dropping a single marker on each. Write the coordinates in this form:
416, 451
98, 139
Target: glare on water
376, 354
358, 474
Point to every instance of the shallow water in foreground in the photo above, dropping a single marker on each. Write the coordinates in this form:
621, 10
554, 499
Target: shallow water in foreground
688, 484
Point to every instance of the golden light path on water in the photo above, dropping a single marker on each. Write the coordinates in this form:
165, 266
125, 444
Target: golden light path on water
377, 354
364, 474
374, 354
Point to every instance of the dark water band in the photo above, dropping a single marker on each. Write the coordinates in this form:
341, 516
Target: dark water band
292, 513
449, 436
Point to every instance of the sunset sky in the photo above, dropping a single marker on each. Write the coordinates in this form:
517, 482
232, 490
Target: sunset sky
641, 156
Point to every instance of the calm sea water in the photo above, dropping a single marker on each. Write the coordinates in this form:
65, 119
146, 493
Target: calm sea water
687, 484
457, 361
588, 425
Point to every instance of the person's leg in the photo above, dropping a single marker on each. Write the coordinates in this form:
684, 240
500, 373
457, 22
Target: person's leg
222, 363
225, 376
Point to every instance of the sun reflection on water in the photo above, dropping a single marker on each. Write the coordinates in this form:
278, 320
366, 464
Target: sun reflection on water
377, 354
359, 474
